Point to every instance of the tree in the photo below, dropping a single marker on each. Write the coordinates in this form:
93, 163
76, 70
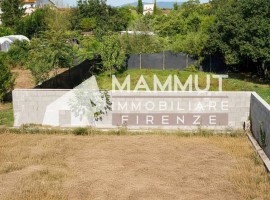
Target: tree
57, 21
111, 52
240, 34
12, 12
74, 18
108, 19
49, 54
140, 7
89, 48
170, 25
193, 43
189, 7
4, 31
17, 56
6, 80
120, 18
190, 4
88, 24
40, 63
175, 6
93, 8
97, 9
155, 7
143, 43
33, 24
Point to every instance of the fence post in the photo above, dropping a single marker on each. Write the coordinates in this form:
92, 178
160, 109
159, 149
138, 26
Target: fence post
187, 61
210, 63
140, 61
163, 64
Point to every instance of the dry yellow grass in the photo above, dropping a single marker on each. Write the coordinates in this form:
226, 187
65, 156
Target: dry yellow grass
24, 79
248, 175
129, 167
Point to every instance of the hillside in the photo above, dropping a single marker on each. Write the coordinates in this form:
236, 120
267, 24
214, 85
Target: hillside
163, 4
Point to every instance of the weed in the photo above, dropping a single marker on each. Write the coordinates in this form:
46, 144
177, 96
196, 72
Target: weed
263, 135
80, 131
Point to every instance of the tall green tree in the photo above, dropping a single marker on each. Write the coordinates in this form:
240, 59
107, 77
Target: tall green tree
155, 7
112, 54
98, 10
12, 12
88, 24
143, 43
107, 18
140, 7
48, 54
93, 9
240, 34
193, 43
58, 21
33, 24
6, 79
175, 6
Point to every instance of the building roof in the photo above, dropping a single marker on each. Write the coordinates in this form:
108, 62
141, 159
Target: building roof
166, 11
137, 33
29, 1
43, 2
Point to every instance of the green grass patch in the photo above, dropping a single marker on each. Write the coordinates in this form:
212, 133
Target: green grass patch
6, 115
120, 131
231, 84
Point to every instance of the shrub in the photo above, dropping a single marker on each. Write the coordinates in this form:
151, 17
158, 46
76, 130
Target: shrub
17, 56
6, 80
263, 135
33, 24
88, 24
4, 31
80, 131
191, 68
49, 53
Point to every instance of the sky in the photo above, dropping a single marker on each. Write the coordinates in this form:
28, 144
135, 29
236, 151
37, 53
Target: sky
121, 2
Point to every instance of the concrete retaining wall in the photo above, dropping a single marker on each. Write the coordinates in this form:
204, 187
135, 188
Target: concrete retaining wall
51, 107
260, 121
30, 105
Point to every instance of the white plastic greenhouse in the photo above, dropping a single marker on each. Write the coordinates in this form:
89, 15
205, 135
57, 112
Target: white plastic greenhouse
5, 44
6, 41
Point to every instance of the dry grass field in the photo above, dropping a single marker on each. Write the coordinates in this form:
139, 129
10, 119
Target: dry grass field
130, 167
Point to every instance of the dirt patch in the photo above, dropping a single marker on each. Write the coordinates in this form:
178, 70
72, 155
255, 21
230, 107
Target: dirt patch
4, 106
57, 72
24, 79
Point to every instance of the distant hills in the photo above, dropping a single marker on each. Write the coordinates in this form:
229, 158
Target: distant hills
164, 4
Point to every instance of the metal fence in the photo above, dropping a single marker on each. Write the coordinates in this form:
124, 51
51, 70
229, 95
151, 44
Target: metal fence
72, 77
177, 61
163, 60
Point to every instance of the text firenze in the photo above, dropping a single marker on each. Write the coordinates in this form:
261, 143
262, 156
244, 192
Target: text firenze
170, 119
172, 83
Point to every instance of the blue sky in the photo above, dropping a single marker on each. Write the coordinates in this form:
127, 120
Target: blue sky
121, 2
